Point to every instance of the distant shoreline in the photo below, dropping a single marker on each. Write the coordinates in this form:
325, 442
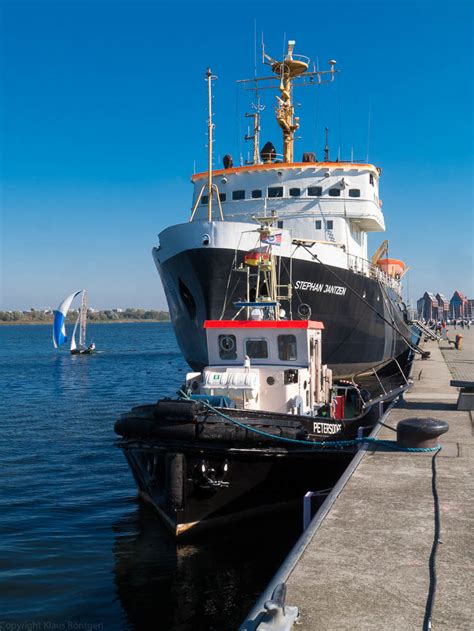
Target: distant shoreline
90, 322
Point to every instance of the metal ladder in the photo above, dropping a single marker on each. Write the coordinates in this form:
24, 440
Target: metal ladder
424, 329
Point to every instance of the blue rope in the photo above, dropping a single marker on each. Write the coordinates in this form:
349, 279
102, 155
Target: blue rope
391, 444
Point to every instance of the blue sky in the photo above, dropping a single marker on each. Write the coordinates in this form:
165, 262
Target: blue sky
103, 113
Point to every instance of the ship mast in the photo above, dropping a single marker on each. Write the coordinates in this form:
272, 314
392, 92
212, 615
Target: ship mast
257, 107
292, 70
83, 320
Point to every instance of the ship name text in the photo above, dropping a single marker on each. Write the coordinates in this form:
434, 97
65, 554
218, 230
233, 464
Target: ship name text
326, 428
322, 288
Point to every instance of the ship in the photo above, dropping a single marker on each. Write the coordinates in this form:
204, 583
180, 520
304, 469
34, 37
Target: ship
323, 210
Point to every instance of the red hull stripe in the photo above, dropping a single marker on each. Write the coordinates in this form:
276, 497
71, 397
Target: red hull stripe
263, 324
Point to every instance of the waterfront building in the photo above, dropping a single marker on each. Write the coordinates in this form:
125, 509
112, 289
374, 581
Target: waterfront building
443, 307
427, 306
458, 305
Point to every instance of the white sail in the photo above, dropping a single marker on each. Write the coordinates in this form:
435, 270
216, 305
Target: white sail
73, 338
59, 327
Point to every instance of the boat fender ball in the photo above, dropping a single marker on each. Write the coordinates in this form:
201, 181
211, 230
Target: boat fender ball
420, 432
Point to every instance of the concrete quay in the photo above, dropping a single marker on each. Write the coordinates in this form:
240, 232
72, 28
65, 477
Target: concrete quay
367, 564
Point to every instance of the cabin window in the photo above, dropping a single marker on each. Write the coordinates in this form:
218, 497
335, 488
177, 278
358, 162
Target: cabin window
257, 193
334, 192
279, 224
287, 347
222, 196
318, 224
295, 192
238, 194
330, 224
354, 192
204, 199
315, 191
256, 348
371, 178
275, 191
227, 347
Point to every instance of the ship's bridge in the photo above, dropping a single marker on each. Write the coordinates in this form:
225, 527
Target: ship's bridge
325, 201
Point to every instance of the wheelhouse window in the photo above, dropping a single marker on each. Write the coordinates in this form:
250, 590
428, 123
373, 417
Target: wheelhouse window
295, 192
222, 197
315, 191
256, 194
204, 199
334, 192
318, 224
256, 348
227, 347
330, 224
238, 194
275, 191
287, 347
279, 224
371, 178
354, 192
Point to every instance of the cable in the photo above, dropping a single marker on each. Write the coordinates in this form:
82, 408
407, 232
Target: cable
434, 549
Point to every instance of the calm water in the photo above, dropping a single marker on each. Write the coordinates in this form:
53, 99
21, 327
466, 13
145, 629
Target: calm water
76, 546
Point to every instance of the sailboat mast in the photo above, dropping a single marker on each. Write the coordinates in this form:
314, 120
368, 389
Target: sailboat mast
83, 320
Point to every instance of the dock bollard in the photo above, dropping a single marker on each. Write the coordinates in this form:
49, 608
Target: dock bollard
420, 432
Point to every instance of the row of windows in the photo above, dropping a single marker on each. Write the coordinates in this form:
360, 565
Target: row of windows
257, 348
277, 191
318, 224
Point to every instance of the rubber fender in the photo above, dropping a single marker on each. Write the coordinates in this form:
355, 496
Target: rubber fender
178, 410
175, 479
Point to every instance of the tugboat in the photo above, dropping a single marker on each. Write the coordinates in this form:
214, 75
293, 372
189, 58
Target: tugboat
325, 210
244, 433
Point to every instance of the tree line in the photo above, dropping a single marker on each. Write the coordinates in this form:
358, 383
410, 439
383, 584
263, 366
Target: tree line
105, 315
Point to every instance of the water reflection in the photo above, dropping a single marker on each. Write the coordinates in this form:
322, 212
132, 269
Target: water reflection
207, 583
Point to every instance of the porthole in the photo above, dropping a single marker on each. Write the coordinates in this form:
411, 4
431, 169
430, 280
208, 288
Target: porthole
270, 380
206, 239
304, 311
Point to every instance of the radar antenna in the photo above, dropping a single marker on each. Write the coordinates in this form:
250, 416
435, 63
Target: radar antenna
292, 70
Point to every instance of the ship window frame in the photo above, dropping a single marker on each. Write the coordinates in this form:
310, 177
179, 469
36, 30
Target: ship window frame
292, 192
318, 224
222, 197
334, 192
204, 199
354, 192
275, 189
330, 224
287, 346
259, 195
238, 194
280, 224
227, 354
250, 354
315, 188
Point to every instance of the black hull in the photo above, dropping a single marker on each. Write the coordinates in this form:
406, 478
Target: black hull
355, 338
258, 482
201, 471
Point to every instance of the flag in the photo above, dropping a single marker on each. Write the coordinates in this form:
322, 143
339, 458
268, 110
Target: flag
272, 239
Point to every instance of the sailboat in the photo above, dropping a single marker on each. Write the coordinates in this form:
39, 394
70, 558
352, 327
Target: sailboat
59, 326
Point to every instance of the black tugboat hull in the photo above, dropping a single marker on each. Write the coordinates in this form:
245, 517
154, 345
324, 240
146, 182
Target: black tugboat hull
259, 481
201, 470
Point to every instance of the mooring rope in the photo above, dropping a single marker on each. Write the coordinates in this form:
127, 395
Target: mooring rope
390, 444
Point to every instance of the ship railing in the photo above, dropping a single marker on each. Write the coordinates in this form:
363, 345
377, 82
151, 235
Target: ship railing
367, 268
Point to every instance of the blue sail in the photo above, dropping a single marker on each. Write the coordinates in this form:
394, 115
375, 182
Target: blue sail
59, 326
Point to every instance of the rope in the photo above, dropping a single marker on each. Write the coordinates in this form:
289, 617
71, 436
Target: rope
332, 443
436, 540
